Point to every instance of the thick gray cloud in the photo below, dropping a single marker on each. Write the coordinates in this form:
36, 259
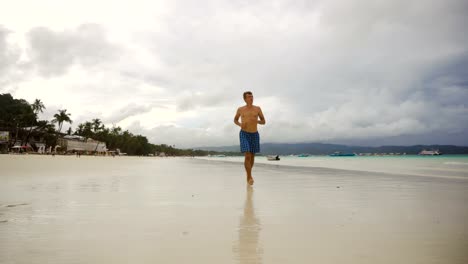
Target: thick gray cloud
10, 66
334, 71
129, 110
339, 70
7, 56
54, 52
207, 99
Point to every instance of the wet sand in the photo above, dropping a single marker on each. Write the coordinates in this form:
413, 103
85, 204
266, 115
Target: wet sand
181, 210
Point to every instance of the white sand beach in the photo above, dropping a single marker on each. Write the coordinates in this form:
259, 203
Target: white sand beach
65, 209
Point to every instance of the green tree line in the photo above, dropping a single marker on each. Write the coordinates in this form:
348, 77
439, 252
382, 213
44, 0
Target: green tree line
20, 118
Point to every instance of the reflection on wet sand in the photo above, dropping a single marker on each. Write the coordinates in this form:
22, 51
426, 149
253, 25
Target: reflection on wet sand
165, 210
248, 248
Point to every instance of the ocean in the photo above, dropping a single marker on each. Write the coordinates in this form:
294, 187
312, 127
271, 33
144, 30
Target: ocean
445, 166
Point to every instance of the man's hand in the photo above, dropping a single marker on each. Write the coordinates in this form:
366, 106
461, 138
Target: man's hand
236, 118
262, 120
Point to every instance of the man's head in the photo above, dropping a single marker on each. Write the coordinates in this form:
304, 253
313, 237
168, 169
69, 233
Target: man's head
248, 97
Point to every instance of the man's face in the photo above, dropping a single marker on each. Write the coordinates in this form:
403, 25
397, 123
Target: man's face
248, 99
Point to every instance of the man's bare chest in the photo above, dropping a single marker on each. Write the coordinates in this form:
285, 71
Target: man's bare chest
249, 114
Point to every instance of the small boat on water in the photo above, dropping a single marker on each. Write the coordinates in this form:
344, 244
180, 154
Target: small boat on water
273, 157
341, 154
430, 152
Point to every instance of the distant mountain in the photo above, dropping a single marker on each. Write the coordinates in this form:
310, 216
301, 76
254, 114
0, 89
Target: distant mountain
321, 149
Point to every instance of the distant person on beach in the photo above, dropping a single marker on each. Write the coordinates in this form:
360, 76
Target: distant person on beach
250, 115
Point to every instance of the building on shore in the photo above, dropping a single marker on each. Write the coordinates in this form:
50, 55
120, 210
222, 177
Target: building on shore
29, 139
71, 143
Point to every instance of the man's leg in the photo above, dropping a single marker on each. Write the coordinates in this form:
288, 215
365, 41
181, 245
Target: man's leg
248, 166
252, 158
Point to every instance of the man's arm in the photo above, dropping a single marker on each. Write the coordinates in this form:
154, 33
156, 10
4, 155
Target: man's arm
262, 120
236, 118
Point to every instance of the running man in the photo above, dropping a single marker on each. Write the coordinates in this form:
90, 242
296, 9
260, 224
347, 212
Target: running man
250, 115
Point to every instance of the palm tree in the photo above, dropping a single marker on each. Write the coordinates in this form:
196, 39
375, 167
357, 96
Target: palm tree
60, 117
37, 107
116, 130
88, 129
79, 129
97, 125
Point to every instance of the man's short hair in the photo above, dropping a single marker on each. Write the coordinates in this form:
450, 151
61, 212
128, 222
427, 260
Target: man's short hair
247, 93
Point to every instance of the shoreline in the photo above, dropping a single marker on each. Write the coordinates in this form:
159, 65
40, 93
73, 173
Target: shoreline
278, 164
311, 167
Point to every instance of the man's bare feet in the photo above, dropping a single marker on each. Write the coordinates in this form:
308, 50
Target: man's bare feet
250, 180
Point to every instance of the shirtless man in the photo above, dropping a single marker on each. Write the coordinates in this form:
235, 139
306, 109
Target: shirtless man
250, 115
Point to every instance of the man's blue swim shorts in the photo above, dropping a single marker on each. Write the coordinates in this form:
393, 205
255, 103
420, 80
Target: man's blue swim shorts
249, 142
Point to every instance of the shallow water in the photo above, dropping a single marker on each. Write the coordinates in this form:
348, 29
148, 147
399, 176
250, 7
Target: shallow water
447, 166
176, 210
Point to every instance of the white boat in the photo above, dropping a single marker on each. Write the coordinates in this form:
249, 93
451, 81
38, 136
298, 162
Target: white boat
430, 152
273, 157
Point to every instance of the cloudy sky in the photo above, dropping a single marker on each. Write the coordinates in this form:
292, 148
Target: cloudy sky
356, 72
